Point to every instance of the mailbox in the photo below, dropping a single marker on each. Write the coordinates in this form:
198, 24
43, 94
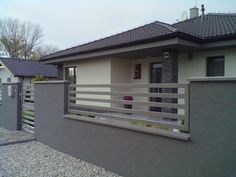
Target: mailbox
10, 90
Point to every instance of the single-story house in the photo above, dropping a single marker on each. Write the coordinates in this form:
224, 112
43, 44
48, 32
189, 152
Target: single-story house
19, 70
202, 46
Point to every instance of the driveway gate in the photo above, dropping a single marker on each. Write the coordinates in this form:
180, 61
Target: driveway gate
27, 108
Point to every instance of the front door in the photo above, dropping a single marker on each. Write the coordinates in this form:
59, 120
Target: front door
155, 77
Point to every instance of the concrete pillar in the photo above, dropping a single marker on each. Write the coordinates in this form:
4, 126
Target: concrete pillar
10, 109
170, 67
51, 103
170, 75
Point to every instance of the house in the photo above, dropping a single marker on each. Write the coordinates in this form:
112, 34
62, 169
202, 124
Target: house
19, 70
202, 46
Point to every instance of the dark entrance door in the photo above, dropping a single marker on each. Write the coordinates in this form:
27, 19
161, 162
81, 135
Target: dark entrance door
155, 77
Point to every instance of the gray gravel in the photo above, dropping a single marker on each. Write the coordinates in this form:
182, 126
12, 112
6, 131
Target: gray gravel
38, 160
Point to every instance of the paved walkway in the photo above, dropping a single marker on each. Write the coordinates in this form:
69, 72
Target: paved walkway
11, 137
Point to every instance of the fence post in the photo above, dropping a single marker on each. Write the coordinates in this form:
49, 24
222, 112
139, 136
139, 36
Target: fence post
19, 104
51, 101
10, 109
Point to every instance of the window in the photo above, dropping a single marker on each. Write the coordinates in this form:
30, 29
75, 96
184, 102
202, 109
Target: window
216, 66
8, 79
71, 74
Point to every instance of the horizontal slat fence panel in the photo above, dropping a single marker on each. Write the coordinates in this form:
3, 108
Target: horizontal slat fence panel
163, 105
142, 103
122, 110
162, 95
27, 112
161, 85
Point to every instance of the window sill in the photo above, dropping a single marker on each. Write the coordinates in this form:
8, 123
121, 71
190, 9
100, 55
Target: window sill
213, 79
126, 125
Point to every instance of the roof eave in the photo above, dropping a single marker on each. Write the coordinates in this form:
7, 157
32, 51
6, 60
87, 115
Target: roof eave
157, 44
140, 42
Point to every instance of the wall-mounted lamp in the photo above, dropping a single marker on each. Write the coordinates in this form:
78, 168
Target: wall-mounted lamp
166, 55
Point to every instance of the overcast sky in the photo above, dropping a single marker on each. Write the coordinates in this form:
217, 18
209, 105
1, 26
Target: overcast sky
67, 23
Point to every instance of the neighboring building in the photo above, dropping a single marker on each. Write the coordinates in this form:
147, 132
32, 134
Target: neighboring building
203, 46
19, 70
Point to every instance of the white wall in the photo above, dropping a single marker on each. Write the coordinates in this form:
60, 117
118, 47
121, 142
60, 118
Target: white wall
4, 74
93, 72
197, 66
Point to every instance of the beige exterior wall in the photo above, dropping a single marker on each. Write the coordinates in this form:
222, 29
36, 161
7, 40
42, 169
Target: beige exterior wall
145, 73
120, 73
197, 66
123, 72
118, 70
93, 72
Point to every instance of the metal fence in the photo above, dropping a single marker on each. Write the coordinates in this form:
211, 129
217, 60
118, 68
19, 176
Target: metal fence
27, 113
163, 106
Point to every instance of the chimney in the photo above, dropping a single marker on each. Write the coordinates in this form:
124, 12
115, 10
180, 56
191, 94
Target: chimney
194, 12
203, 13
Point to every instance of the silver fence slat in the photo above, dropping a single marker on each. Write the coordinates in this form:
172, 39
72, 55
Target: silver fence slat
27, 111
173, 101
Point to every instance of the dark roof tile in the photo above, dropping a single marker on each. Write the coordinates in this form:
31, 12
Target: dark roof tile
20, 67
214, 26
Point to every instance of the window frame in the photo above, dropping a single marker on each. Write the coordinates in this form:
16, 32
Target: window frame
74, 73
214, 58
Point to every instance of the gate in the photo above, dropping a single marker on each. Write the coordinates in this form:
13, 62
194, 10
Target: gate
27, 108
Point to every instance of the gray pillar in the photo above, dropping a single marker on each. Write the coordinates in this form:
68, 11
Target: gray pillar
170, 67
10, 109
51, 103
170, 75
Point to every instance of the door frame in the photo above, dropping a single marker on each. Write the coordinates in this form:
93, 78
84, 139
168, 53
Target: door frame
151, 108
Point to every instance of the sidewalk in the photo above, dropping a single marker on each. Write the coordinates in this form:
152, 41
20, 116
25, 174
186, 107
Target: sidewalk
11, 137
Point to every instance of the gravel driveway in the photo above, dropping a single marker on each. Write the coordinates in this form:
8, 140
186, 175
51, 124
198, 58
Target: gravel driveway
42, 161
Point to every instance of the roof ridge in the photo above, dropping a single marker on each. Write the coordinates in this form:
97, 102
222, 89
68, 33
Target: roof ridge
19, 59
168, 26
223, 14
186, 20
217, 13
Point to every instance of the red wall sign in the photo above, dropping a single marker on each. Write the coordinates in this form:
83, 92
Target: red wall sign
137, 71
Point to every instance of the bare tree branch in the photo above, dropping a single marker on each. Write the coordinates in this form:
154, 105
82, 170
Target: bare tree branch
22, 40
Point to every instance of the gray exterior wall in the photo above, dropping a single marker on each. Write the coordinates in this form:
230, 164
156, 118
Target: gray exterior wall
211, 152
10, 108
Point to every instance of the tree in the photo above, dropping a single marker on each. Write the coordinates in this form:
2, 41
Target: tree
43, 50
21, 39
